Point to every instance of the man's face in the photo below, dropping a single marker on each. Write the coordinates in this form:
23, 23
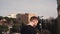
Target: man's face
35, 21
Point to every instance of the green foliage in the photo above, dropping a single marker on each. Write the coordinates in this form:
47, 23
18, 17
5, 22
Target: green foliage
0, 28
16, 28
3, 28
1, 17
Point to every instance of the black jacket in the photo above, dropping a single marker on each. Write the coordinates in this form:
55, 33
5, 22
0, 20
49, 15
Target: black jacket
27, 29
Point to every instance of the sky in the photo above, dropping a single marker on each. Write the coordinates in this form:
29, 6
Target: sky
46, 8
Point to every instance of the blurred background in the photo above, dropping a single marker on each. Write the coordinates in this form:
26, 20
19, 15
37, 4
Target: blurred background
16, 13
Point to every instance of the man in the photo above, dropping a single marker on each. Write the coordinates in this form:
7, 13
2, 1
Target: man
30, 27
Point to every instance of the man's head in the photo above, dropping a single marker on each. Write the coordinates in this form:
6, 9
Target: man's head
34, 20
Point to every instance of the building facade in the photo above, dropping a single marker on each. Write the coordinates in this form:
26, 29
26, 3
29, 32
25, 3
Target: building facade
24, 18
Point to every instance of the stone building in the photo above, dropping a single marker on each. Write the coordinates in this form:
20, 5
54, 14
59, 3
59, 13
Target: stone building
24, 18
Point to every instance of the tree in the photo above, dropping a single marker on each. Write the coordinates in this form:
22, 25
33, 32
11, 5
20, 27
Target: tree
0, 29
16, 28
1, 17
50, 23
3, 28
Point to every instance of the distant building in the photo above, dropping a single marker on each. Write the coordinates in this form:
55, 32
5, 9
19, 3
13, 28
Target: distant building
12, 16
24, 18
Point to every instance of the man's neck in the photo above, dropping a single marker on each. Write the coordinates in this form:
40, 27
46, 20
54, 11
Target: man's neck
31, 24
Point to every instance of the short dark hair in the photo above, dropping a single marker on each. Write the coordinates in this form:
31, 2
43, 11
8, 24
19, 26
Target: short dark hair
33, 17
